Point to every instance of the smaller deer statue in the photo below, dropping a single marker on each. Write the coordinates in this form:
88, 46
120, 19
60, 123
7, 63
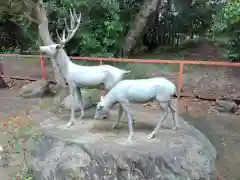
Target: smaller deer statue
78, 76
156, 89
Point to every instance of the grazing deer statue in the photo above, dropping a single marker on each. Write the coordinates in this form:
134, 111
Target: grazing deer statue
156, 89
77, 76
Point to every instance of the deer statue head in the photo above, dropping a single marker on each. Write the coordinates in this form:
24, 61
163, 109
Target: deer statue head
53, 49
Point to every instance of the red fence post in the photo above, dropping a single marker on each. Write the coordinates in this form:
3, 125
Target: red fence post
180, 81
1, 67
43, 68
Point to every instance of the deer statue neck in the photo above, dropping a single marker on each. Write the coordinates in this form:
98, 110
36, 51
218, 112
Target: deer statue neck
63, 61
109, 100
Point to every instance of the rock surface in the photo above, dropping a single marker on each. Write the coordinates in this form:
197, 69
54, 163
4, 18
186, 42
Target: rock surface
225, 106
92, 150
90, 98
35, 89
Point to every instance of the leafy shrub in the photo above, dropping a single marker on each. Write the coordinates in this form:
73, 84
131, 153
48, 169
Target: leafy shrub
16, 131
227, 24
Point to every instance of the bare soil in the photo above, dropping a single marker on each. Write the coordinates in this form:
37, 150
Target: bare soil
222, 130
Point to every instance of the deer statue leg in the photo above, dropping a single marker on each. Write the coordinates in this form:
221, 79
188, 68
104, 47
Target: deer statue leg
175, 116
104, 92
120, 113
164, 107
126, 108
72, 88
120, 116
80, 98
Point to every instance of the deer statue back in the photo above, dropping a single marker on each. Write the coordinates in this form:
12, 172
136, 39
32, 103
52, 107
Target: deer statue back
77, 76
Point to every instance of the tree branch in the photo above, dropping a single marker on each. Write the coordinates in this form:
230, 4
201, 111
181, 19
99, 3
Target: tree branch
31, 18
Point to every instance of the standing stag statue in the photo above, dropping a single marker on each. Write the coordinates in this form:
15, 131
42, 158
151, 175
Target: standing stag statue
77, 76
141, 90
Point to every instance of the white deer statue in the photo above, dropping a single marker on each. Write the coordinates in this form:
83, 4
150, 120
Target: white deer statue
77, 76
141, 90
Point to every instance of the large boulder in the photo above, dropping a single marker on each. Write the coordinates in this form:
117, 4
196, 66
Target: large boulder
92, 150
90, 98
225, 105
35, 89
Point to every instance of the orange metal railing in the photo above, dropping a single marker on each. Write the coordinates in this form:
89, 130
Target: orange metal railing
157, 61
180, 62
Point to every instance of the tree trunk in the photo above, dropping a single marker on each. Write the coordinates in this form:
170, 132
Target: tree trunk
41, 18
138, 26
43, 30
35, 11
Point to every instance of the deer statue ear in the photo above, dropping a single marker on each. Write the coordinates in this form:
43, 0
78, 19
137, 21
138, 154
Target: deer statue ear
58, 47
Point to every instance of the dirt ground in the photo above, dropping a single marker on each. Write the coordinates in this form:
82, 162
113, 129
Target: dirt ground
222, 130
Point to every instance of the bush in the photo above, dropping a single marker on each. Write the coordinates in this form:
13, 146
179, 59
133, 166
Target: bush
227, 24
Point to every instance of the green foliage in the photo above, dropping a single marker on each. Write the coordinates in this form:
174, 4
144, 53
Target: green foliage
23, 175
100, 32
17, 130
16, 33
104, 24
227, 24
181, 20
102, 28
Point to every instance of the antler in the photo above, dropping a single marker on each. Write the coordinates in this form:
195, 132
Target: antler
74, 21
